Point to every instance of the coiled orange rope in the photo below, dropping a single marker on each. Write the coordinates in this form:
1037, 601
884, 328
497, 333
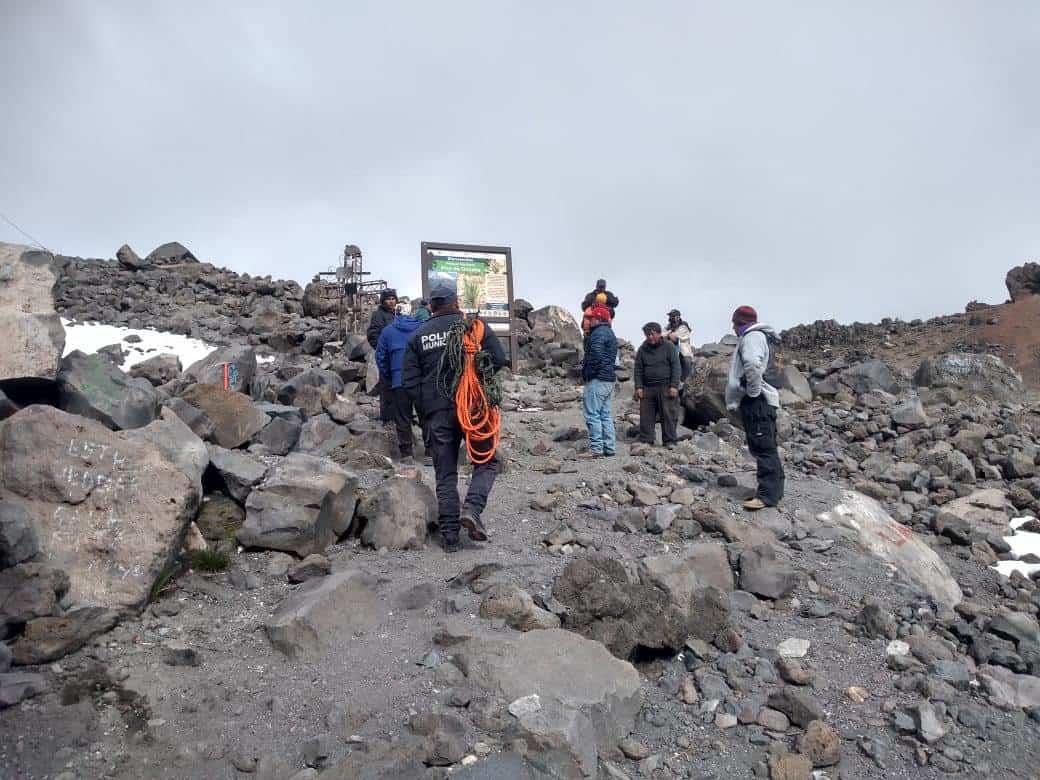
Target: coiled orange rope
480, 421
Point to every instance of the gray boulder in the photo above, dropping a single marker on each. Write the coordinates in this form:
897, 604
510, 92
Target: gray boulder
129, 259
396, 513
323, 614
90, 386
18, 540
235, 419
682, 574
158, 370
588, 701
47, 639
238, 472
984, 375
1023, 281
604, 604
303, 505
764, 575
1008, 690
30, 590
280, 435
30, 330
869, 376
314, 378
178, 444
111, 510
16, 687
910, 414
193, 417
239, 362
320, 436
171, 253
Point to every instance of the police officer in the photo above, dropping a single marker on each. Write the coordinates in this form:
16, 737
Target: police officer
425, 380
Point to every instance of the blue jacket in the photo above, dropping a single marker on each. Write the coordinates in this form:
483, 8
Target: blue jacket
390, 347
600, 354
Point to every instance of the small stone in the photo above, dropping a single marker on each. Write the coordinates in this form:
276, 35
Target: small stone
771, 720
927, 724
897, 647
312, 566
525, 705
856, 694
790, 766
688, 691
821, 744
793, 672
179, 654
634, 749
793, 648
725, 720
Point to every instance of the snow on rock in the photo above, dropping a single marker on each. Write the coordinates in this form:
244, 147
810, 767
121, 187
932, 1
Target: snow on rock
1022, 542
89, 337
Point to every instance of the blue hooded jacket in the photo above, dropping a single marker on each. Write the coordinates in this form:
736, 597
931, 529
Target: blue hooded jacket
390, 347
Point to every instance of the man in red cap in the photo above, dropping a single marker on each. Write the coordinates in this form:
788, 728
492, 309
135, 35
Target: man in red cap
749, 391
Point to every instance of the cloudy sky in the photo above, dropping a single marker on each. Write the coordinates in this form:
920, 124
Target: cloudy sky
816, 160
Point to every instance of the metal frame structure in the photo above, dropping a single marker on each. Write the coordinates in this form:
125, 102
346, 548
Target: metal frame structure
353, 290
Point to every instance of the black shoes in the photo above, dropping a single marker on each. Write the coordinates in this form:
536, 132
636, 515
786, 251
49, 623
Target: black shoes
450, 543
473, 526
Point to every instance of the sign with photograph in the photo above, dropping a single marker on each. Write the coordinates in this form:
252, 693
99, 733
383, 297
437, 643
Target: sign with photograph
482, 277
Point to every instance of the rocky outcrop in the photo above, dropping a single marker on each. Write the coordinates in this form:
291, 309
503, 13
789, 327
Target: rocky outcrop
31, 332
234, 418
111, 511
1023, 281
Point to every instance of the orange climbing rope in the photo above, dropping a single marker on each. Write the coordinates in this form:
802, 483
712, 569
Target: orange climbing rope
480, 420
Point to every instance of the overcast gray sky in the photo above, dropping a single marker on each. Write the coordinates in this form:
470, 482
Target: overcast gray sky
832, 159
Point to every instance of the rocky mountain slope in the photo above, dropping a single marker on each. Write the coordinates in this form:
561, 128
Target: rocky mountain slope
227, 582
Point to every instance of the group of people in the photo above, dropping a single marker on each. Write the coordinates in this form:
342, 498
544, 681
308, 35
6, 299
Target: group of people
409, 351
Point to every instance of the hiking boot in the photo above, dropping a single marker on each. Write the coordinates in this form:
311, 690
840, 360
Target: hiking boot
450, 543
609, 454
754, 504
589, 455
473, 526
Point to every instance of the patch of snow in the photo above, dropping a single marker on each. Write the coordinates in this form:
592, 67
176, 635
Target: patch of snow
1021, 543
89, 337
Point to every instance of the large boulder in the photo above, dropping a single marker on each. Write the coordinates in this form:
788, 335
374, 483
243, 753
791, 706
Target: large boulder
18, 538
30, 590
704, 394
1008, 690
987, 510
178, 444
319, 379
47, 639
894, 544
234, 417
321, 435
324, 614
396, 513
237, 472
171, 253
794, 388
238, 363
682, 574
91, 386
587, 701
629, 617
765, 575
1023, 281
303, 505
31, 333
953, 463
158, 370
554, 324
322, 299
868, 376
984, 375
111, 510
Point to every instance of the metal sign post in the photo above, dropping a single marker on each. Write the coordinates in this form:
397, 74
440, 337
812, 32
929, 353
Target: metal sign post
482, 277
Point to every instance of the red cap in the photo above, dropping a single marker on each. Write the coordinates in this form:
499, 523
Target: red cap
745, 315
600, 312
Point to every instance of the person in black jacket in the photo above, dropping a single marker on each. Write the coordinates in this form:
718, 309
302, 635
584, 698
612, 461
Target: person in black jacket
425, 379
598, 373
656, 377
601, 287
381, 317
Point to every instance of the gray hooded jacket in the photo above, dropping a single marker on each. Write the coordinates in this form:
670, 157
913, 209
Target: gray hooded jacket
750, 359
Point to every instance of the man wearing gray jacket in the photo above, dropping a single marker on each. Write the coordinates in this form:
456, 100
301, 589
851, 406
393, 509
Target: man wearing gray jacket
748, 391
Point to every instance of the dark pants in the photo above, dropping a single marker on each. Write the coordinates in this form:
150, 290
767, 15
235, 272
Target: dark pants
760, 426
686, 367
445, 436
656, 402
401, 412
386, 401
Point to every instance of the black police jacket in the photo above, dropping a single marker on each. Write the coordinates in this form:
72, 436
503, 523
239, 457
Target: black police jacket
421, 372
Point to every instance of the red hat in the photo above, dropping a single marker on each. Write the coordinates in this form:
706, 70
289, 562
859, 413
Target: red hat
745, 315
600, 312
